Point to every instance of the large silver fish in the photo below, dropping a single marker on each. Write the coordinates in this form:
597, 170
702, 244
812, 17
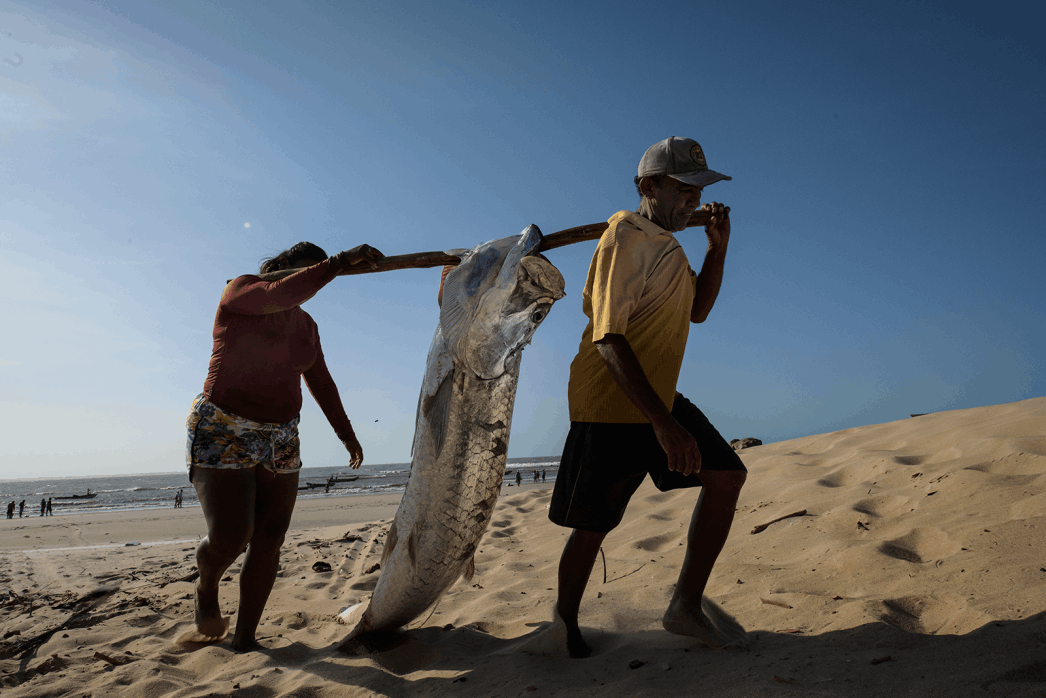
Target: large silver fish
492, 304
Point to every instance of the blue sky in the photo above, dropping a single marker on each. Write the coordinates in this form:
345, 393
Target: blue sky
887, 163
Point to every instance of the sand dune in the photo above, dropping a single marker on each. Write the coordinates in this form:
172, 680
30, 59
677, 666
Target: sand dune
917, 570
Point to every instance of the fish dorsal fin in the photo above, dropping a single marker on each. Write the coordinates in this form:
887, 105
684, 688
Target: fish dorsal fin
390, 543
436, 410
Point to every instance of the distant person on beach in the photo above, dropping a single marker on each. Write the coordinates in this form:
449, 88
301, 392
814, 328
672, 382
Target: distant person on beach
21, 508
542, 475
627, 420
50, 509
43, 507
11, 510
242, 448
519, 479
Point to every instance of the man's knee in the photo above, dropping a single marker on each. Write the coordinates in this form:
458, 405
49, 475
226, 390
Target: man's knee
724, 480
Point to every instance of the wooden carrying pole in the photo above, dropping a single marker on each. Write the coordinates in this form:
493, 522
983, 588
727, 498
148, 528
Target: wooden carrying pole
424, 260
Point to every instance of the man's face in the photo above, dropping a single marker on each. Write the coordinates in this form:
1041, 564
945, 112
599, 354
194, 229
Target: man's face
674, 201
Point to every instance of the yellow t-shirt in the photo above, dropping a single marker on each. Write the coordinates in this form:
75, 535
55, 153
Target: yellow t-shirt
640, 285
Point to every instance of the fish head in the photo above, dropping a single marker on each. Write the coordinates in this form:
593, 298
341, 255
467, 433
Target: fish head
494, 301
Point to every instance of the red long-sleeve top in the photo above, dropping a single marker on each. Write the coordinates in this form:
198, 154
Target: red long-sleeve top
264, 343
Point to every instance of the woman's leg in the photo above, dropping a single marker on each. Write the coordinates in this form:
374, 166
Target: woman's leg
227, 498
274, 504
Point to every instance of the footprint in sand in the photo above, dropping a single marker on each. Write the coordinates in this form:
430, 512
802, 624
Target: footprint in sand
921, 545
920, 614
888, 505
659, 497
1014, 464
657, 543
502, 528
296, 621
909, 460
839, 478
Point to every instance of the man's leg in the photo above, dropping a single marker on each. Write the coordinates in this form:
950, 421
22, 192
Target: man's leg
709, 528
575, 567
276, 493
227, 499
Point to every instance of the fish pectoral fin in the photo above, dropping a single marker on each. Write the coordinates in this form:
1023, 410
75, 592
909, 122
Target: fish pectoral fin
437, 412
390, 544
470, 570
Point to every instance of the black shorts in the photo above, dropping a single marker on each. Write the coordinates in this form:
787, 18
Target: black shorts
604, 464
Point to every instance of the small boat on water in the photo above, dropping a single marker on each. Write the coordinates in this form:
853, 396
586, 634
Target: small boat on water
89, 495
329, 483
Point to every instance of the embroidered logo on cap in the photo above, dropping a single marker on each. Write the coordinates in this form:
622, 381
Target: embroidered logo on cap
698, 156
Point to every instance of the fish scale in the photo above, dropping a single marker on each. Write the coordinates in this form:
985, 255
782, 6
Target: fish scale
492, 304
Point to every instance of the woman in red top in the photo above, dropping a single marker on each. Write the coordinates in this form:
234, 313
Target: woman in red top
242, 446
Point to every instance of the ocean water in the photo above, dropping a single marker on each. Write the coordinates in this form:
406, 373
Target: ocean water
156, 490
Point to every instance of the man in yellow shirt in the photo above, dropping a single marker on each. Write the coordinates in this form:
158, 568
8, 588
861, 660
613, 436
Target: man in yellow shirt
627, 420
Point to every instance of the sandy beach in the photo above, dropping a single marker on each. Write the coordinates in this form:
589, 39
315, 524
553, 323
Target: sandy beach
916, 569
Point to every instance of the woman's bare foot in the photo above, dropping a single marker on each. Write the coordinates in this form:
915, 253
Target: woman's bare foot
211, 626
710, 624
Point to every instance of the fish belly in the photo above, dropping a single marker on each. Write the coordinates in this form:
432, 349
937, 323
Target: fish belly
448, 501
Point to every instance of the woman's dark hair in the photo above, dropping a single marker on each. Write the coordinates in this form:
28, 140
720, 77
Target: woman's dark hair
303, 250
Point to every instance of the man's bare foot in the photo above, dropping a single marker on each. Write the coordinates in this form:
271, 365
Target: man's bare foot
245, 645
552, 640
710, 624
576, 645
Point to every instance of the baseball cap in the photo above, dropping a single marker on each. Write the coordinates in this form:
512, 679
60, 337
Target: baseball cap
679, 158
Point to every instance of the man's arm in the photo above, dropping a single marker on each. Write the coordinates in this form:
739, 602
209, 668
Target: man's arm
711, 277
680, 447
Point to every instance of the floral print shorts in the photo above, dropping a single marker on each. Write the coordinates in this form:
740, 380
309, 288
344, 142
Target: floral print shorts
218, 439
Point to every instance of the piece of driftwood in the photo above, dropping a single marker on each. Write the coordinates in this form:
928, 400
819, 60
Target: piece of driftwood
762, 527
570, 236
106, 658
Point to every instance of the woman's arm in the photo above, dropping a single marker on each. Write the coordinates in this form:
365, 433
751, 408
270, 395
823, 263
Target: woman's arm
321, 384
253, 295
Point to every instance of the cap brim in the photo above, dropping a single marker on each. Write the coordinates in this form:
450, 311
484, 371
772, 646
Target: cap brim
700, 179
